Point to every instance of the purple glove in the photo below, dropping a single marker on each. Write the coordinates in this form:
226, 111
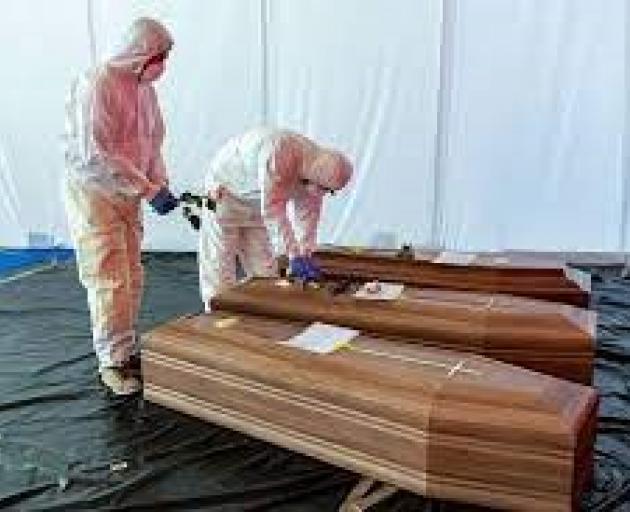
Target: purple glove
304, 268
164, 201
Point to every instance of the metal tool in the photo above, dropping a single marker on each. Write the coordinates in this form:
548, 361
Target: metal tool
192, 204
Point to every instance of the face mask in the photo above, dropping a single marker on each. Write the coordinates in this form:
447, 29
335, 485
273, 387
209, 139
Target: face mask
314, 188
154, 68
152, 72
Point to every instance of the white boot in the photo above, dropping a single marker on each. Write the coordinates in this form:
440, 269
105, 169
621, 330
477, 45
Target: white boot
119, 382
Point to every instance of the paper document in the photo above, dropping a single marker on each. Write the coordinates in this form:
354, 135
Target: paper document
322, 338
382, 291
501, 260
455, 258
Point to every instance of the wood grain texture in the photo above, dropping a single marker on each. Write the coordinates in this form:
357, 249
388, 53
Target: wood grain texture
552, 338
520, 275
450, 425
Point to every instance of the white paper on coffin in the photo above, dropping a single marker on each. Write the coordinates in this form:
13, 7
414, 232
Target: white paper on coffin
322, 338
455, 258
385, 291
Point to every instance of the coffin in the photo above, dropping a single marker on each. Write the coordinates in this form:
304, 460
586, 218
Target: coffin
434, 422
521, 275
551, 338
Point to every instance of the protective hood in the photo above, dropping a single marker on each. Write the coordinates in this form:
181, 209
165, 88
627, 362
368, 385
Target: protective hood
328, 169
145, 39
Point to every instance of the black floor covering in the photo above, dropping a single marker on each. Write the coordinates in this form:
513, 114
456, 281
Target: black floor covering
66, 445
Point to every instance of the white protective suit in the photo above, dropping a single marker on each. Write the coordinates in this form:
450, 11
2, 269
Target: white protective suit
114, 133
254, 177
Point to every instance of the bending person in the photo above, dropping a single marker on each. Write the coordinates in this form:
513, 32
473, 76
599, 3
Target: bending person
253, 178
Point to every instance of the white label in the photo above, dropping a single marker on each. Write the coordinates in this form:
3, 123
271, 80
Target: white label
455, 258
322, 338
380, 291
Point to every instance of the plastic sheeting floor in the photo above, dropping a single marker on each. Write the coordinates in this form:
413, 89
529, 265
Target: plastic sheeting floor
65, 445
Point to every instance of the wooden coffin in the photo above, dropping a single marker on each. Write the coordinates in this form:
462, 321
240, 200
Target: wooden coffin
434, 422
521, 274
552, 338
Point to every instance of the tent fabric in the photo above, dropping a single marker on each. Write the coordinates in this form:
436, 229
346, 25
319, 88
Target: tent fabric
64, 445
473, 124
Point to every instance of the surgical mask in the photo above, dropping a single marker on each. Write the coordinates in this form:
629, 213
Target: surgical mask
154, 68
314, 188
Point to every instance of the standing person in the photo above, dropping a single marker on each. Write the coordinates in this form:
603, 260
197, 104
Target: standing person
253, 178
114, 133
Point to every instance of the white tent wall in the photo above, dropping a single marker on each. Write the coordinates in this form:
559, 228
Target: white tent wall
474, 124
533, 154
40, 42
337, 74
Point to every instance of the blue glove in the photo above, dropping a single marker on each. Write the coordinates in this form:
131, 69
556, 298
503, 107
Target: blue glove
313, 270
164, 201
304, 268
297, 267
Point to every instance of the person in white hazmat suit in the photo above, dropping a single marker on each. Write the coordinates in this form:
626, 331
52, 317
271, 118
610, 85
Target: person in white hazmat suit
114, 134
253, 178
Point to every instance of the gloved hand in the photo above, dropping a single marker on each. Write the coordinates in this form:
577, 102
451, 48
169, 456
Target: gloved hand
303, 267
164, 201
313, 269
